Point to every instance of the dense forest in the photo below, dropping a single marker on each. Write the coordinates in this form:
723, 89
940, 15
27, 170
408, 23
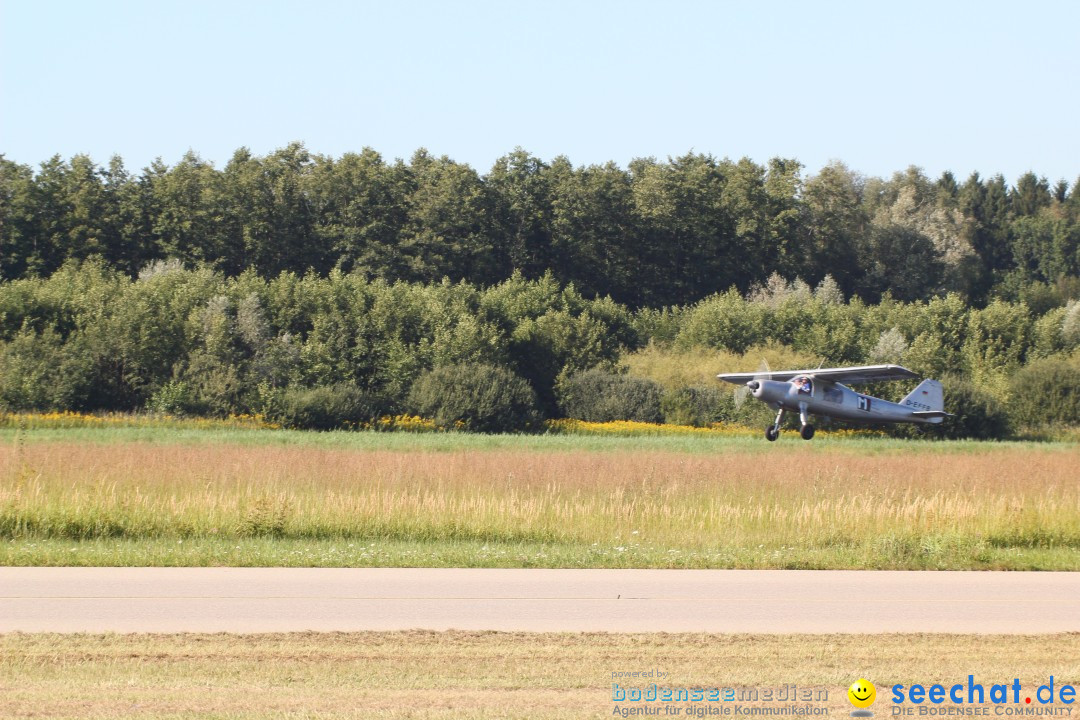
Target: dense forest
651, 235
323, 292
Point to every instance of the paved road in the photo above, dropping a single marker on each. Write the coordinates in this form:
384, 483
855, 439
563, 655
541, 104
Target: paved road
760, 601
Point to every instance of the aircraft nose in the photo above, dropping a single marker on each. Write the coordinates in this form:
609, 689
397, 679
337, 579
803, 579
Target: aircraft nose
753, 385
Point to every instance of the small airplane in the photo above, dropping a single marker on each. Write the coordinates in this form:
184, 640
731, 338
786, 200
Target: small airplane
822, 392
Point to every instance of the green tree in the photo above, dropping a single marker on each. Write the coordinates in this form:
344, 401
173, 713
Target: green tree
987, 208
267, 196
19, 251
784, 213
360, 205
189, 214
521, 211
129, 222
837, 224
447, 233
900, 261
595, 242
1030, 195
691, 234
1045, 247
911, 202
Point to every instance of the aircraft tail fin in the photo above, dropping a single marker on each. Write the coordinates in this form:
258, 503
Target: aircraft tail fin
928, 397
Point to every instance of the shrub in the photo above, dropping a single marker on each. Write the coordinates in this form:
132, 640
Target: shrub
479, 397
172, 398
41, 372
212, 386
976, 413
722, 321
598, 396
1046, 392
697, 405
327, 407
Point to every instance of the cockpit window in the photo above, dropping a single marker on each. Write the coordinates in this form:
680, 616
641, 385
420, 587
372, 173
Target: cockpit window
804, 384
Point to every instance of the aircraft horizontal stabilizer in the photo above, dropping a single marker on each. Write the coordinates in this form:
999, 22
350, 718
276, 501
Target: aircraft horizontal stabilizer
931, 414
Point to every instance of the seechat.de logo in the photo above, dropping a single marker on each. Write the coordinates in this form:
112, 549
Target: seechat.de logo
973, 692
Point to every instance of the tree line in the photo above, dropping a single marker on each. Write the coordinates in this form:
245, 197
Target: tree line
324, 351
653, 234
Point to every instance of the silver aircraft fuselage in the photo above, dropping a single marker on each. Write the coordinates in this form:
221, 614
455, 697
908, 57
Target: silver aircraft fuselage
833, 399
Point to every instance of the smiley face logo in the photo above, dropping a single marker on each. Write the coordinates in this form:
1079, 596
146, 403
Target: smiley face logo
862, 693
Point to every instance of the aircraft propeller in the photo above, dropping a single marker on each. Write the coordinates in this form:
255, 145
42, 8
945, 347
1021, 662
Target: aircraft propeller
742, 391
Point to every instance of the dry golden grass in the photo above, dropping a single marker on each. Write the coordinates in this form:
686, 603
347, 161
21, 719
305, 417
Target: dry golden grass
698, 366
475, 674
896, 506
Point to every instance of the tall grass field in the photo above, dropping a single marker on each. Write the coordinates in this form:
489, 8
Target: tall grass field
159, 496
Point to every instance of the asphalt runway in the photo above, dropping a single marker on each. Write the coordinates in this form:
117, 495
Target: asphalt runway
757, 601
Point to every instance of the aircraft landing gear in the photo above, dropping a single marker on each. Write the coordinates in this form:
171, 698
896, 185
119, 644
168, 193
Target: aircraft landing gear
807, 430
773, 431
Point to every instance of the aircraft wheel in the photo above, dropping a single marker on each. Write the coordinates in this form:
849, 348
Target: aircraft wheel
807, 431
771, 434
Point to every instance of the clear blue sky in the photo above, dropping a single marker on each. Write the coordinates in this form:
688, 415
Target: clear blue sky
987, 86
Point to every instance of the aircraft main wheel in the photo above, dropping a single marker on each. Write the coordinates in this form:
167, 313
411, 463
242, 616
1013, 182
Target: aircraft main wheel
807, 431
771, 434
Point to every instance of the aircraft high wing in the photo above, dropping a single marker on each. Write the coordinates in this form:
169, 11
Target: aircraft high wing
856, 375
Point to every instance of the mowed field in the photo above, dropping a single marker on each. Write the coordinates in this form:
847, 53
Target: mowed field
216, 497
457, 675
